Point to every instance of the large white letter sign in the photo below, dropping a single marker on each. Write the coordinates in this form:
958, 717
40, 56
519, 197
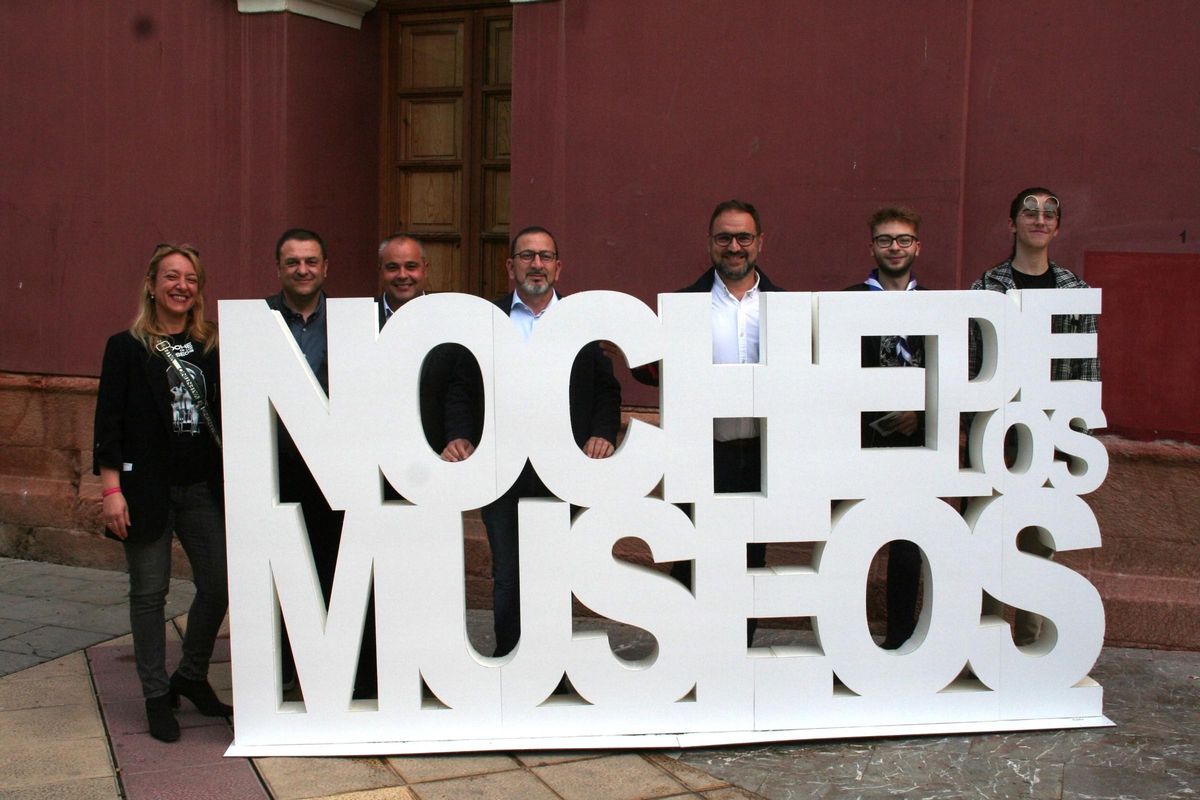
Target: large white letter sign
699, 683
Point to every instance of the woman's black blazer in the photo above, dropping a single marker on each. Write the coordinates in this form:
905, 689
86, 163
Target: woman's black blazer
133, 430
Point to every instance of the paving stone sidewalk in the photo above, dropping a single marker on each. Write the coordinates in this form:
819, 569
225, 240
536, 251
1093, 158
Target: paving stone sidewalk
50, 610
72, 726
1152, 752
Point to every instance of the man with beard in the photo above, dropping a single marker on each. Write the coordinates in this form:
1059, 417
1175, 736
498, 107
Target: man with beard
735, 240
895, 246
595, 401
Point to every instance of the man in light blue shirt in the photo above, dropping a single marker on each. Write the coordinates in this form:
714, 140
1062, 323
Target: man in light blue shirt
595, 408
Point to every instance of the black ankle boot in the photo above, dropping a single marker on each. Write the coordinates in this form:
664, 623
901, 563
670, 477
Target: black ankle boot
161, 716
201, 695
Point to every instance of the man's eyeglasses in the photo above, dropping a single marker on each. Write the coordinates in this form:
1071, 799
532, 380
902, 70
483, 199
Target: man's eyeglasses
527, 256
905, 240
726, 239
1032, 208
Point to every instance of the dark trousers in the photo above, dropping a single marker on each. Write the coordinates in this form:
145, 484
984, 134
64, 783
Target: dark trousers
903, 585
500, 520
198, 522
324, 526
737, 467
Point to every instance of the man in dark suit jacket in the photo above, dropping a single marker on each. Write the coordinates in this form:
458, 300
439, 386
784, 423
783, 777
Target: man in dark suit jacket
735, 240
303, 264
403, 273
403, 276
595, 400
895, 247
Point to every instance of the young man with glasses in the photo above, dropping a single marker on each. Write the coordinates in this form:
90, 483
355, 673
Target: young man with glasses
595, 403
895, 245
734, 282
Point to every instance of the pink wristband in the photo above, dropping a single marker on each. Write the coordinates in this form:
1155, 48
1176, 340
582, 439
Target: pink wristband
113, 490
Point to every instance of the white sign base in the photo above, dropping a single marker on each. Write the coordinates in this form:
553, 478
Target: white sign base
663, 741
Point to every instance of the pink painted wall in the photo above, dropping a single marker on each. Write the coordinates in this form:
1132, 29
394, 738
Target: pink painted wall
1097, 101
128, 123
632, 120
629, 128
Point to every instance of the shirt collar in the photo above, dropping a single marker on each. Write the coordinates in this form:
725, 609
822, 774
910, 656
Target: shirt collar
873, 283
387, 308
722, 290
317, 312
519, 303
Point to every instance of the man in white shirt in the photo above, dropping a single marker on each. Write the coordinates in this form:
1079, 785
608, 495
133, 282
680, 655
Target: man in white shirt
735, 241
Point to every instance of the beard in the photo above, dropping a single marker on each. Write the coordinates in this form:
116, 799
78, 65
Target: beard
732, 272
886, 268
536, 289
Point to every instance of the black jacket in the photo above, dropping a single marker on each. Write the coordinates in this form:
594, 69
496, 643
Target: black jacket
441, 365
870, 358
648, 373
705, 283
133, 427
595, 396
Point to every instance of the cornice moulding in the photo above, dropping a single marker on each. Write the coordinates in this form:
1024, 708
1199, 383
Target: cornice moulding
339, 12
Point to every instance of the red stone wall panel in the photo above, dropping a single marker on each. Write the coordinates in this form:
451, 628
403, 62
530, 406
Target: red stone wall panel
1150, 343
631, 120
126, 124
1096, 101
629, 128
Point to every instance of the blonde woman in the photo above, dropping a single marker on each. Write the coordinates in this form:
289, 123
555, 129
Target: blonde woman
158, 455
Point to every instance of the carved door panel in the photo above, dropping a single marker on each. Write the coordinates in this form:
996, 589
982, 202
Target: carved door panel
445, 165
496, 107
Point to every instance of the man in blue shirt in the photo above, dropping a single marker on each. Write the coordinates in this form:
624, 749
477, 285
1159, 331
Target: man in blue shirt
595, 407
303, 265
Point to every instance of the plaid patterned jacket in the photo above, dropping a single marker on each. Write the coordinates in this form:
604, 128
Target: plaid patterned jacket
1000, 279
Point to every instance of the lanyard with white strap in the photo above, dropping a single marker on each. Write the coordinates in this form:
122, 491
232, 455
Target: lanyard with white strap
164, 346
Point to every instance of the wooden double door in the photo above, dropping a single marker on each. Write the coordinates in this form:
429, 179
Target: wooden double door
445, 162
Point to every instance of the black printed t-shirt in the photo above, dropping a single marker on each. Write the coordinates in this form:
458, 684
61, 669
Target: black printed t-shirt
193, 452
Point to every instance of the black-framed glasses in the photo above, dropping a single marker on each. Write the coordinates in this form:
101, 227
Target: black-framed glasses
1031, 207
527, 256
884, 241
744, 239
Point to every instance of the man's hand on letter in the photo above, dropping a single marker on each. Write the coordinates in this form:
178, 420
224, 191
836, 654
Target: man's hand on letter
598, 447
458, 450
